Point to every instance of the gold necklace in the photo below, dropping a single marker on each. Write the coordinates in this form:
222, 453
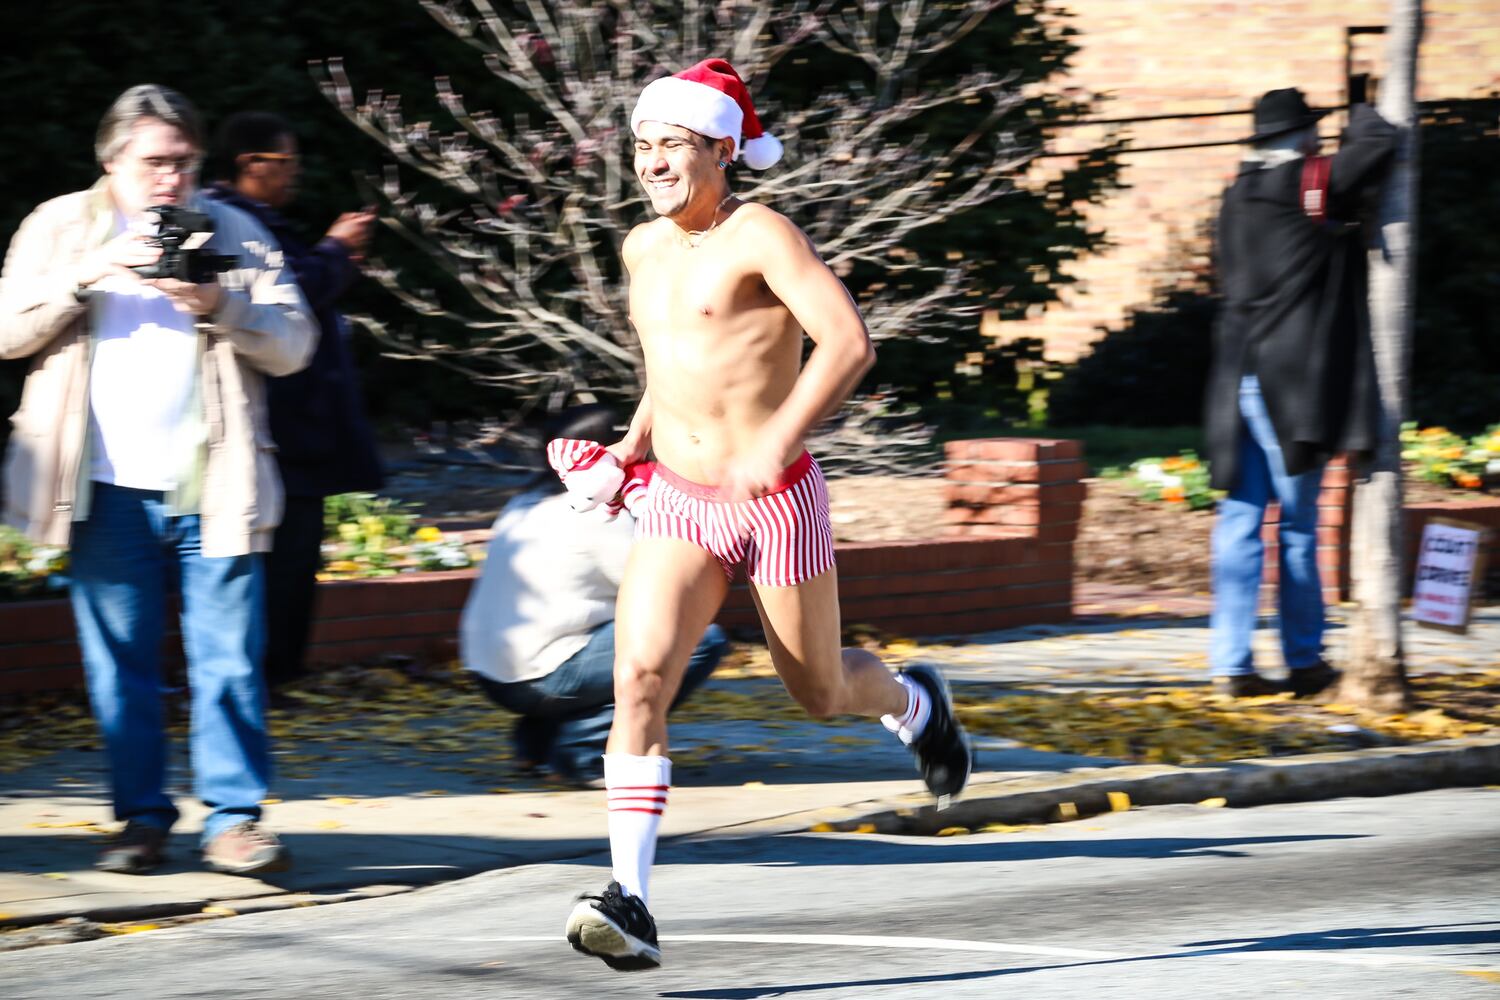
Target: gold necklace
687, 235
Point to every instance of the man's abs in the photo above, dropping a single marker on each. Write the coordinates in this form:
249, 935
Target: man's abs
711, 393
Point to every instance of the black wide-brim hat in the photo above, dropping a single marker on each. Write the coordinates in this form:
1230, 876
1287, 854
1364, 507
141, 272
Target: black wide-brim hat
1280, 112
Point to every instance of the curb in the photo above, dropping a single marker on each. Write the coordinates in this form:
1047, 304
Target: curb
1373, 772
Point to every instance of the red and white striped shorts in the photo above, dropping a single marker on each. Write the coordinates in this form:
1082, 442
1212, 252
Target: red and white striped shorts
784, 537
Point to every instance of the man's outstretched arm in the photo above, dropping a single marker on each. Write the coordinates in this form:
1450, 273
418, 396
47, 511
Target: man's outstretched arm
818, 301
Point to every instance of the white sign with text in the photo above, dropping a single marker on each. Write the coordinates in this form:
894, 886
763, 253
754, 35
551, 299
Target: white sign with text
1445, 574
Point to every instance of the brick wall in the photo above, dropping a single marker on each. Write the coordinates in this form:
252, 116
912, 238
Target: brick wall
1007, 560
1335, 516
1154, 57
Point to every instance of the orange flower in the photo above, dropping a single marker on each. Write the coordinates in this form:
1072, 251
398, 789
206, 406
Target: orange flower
1173, 494
1468, 480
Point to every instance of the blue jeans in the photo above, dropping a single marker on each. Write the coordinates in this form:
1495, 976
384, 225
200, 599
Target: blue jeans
124, 559
566, 715
1238, 551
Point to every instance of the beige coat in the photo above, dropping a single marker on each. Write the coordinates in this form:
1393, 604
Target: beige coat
263, 326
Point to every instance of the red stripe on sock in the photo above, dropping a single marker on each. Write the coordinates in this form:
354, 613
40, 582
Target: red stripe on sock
638, 788
913, 708
637, 798
634, 809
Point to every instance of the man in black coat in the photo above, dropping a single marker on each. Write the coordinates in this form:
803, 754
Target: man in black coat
1293, 377
324, 442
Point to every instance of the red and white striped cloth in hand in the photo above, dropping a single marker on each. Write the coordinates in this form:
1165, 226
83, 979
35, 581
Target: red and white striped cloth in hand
592, 476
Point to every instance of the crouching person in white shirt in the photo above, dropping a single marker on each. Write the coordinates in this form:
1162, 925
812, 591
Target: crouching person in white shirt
538, 629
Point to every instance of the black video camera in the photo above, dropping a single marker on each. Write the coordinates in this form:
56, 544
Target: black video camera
181, 235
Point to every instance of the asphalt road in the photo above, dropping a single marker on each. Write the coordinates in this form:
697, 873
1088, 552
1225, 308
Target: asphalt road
1357, 898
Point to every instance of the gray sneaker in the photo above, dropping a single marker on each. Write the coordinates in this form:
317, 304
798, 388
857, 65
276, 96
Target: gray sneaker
247, 849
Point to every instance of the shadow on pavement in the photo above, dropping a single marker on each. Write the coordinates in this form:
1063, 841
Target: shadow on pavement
811, 850
320, 860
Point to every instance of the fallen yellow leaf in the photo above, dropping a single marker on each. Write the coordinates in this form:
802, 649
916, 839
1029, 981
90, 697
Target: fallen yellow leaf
270, 802
328, 824
60, 876
953, 831
1004, 828
821, 828
127, 928
864, 828
220, 911
1217, 802
1119, 801
341, 801
755, 784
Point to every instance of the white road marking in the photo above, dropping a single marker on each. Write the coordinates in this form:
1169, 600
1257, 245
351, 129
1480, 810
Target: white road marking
1004, 948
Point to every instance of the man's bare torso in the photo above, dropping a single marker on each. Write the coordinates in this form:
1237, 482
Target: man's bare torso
722, 352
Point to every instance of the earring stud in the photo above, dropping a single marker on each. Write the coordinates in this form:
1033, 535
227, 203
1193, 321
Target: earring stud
723, 164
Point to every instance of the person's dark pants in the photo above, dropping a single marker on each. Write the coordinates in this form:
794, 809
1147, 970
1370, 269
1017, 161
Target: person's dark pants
291, 587
566, 715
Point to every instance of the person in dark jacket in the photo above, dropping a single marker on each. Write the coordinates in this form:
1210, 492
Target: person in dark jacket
1293, 378
324, 442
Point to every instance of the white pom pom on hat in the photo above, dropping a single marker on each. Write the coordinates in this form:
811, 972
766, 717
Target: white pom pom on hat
710, 99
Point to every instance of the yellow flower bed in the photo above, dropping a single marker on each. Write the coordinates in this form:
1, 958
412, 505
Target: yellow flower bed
1442, 457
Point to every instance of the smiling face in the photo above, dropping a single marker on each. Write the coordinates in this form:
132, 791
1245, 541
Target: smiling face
680, 168
158, 166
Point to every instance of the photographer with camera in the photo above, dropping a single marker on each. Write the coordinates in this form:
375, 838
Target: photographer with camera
151, 315
324, 444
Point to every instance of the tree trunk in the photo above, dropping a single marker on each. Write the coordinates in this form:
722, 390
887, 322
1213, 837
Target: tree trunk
1375, 675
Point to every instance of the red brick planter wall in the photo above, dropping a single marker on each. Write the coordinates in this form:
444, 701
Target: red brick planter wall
1007, 560
1482, 512
1335, 515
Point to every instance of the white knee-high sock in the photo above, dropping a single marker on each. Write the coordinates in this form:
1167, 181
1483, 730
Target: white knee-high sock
909, 724
637, 789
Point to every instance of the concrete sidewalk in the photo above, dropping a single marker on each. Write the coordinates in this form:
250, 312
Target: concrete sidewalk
367, 819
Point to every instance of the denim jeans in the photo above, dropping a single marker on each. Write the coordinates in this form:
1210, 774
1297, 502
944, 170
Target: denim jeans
1238, 551
124, 559
566, 715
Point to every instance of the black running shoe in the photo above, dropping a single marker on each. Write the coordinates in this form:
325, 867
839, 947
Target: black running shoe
615, 927
942, 747
1308, 681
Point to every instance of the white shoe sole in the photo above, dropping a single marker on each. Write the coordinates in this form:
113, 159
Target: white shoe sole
593, 933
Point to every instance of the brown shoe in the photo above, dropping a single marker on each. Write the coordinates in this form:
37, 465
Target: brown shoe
135, 850
247, 849
1250, 685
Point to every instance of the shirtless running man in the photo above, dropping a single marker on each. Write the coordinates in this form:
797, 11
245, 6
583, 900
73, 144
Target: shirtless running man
721, 292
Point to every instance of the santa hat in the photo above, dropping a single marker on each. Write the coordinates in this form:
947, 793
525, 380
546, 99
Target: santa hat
711, 99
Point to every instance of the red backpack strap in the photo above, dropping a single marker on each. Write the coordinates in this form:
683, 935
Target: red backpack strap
1313, 194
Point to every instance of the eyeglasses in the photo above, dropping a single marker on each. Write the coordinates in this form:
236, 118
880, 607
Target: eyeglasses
277, 157
164, 165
